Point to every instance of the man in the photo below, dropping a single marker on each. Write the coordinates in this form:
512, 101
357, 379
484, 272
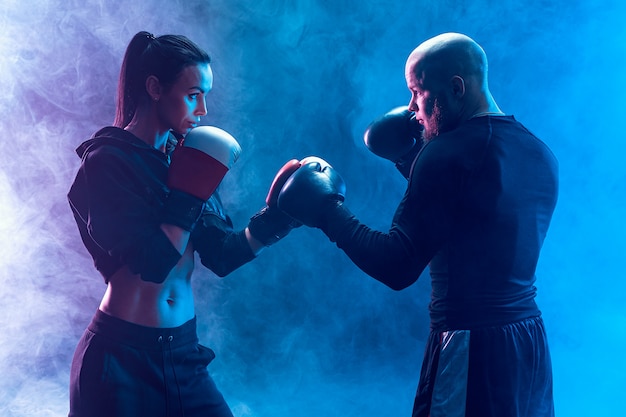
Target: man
478, 204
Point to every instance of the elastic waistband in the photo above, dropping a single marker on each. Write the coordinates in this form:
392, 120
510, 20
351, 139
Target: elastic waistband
525, 322
142, 337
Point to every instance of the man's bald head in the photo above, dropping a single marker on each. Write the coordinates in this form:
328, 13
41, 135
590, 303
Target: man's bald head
447, 77
447, 55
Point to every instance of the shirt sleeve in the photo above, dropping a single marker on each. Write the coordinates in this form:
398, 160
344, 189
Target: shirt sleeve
420, 226
123, 214
220, 248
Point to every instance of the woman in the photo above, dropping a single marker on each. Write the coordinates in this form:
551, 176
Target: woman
141, 218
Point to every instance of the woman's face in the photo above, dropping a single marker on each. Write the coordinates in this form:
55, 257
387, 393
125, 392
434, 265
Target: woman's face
184, 102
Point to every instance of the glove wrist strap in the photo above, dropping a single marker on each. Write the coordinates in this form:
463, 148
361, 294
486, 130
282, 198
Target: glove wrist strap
270, 225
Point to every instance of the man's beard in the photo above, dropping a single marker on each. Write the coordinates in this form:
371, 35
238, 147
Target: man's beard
440, 121
435, 122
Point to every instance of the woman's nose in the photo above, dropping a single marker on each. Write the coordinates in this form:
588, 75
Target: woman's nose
201, 108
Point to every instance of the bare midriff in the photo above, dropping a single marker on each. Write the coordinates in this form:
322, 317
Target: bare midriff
169, 304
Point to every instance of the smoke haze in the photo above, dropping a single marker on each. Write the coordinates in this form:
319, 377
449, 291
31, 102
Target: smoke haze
301, 331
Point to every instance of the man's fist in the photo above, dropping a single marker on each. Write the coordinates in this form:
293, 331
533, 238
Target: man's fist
396, 136
311, 191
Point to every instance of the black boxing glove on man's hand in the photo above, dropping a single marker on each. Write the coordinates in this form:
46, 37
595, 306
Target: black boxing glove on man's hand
271, 224
396, 136
197, 167
312, 192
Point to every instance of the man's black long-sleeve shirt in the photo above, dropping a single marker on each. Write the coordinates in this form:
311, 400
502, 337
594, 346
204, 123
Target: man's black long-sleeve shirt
477, 209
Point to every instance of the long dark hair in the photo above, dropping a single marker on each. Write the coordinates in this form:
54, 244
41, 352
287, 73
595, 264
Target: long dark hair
164, 57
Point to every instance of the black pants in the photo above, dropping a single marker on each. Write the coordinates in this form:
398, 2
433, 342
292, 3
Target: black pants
121, 369
499, 371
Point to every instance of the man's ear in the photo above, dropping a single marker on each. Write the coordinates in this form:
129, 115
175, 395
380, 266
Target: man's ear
458, 86
153, 87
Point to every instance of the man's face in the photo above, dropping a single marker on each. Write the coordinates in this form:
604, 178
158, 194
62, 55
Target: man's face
428, 100
183, 103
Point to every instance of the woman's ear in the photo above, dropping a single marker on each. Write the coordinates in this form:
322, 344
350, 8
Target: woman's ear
153, 87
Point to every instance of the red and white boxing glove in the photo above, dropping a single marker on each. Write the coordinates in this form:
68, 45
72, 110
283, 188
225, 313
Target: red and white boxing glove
197, 167
199, 164
271, 224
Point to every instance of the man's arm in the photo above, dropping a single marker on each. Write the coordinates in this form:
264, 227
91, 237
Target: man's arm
421, 224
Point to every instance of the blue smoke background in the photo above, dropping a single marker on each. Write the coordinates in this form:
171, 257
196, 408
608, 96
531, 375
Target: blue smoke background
301, 331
